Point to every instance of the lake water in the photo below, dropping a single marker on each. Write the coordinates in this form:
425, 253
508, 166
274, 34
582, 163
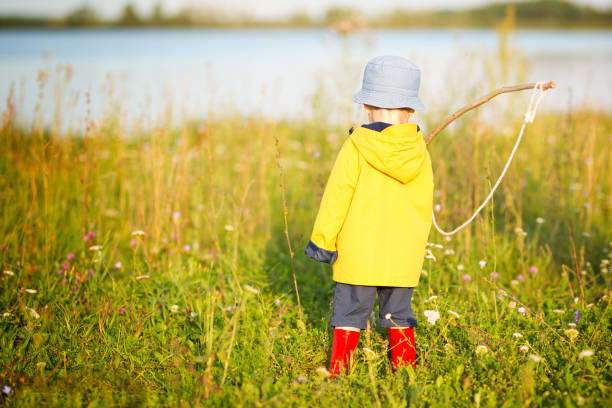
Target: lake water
277, 72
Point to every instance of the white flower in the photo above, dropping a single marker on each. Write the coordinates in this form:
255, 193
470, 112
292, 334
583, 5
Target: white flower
535, 357
251, 289
437, 207
576, 299
571, 324
517, 335
118, 265
558, 311
174, 308
432, 316
512, 304
388, 316
482, 264
460, 267
540, 220
6, 314
142, 277
138, 233
424, 272
193, 314
432, 297
586, 353
95, 247
34, 313
453, 313
571, 333
480, 349
521, 310
31, 290
524, 348
229, 228
514, 282
277, 302
9, 273
187, 248
439, 246
586, 234
176, 215
430, 255
6, 390
447, 238
449, 251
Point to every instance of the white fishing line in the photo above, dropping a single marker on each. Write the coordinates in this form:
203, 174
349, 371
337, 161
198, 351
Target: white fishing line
529, 117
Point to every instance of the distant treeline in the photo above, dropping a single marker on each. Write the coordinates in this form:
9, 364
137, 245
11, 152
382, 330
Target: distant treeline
528, 14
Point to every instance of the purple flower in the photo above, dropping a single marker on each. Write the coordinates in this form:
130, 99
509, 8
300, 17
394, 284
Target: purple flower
466, 277
577, 316
91, 234
533, 270
121, 311
70, 256
85, 238
316, 155
520, 277
60, 272
91, 272
66, 265
494, 275
78, 280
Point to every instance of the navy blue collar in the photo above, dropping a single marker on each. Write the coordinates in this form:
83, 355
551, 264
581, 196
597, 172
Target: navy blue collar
377, 126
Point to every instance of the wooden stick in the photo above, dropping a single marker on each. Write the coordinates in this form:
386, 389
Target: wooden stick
483, 100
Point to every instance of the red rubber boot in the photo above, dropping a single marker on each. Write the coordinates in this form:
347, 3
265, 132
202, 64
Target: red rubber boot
345, 343
403, 350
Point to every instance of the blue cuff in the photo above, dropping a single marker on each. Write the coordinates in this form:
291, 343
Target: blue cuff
320, 254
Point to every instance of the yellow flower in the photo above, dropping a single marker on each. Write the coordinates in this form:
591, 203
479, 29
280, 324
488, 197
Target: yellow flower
571, 333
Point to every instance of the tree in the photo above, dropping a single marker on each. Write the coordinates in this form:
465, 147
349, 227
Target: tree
129, 17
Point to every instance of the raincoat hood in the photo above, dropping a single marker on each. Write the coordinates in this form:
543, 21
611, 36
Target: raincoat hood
398, 150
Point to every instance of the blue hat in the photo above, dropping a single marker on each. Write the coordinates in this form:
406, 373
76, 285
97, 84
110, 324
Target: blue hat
390, 82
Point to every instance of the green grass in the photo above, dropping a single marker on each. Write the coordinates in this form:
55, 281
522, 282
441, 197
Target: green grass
202, 309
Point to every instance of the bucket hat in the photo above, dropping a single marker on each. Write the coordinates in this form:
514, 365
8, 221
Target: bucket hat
390, 82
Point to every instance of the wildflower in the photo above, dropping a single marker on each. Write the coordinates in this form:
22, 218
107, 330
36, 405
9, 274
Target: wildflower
70, 256
524, 348
229, 308
454, 313
466, 277
577, 316
460, 267
138, 233
121, 311
540, 220
432, 297
316, 155
535, 358
517, 335
571, 333
430, 255
95, 247
60, 271
193, 314
91, 272
388, 316
494, 275
176, 215
438, 246
9, 273
482, 264
6, 390
118, 265
277, 302
449, 251
34, 313
447, 238
520, 277
66, 265
174, 308
432, 316
229, 228
586, 234
6, 314
533, 270
521, 310
140, 277
576, 299
480, 350
251, 289
91, 235
133, 243
571, 324
514, 282
519, 231
558, 311
437, 207
586, 353
424, 272
512, 304
31, 291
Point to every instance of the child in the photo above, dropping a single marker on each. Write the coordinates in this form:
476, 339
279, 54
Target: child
375, 214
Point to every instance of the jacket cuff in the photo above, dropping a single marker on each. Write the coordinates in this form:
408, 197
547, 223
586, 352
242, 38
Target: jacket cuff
320, 254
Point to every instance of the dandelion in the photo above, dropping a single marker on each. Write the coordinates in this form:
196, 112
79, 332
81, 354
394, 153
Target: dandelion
586, 353
512, 304
521, 310
229, 228
9, 273
32, 291
251, 289
577, 316
138, 233
520, 277
540, 220
432, 316
535, 358
141, 277
481, 349
571, 333
454, 313
34, 313
466, 278
524, 348
494, 275
517, 335
533, 270
460, 267
174, 308
482, 264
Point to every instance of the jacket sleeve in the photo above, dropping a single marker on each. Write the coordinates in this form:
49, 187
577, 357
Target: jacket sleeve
334, 206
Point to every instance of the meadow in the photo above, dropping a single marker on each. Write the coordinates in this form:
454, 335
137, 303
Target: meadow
164, 266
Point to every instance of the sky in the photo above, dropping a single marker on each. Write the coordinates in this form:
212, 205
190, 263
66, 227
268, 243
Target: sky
256, 8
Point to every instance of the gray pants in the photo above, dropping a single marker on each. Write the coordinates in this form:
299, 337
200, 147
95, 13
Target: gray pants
353, 305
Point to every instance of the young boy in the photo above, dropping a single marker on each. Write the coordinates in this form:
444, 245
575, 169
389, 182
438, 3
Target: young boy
375, 214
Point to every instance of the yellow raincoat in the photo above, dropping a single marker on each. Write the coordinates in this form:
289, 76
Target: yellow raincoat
375, 214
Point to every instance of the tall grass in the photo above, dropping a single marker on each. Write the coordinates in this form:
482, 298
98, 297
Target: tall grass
162, 266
